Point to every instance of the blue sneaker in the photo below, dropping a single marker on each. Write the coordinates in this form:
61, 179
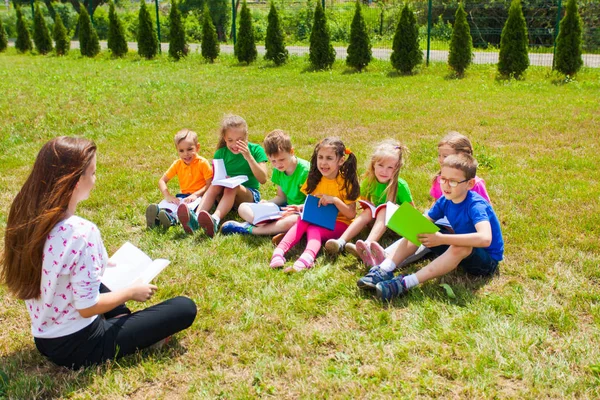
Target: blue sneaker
388, 290
231, 227
373, 277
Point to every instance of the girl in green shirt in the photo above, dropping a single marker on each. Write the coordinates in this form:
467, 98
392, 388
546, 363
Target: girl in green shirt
381, 184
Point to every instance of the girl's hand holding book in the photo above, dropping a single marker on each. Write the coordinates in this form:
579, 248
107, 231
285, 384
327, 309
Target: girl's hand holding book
292, 209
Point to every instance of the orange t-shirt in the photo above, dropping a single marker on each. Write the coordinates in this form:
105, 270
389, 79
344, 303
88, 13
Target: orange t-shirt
191, 177
332, 187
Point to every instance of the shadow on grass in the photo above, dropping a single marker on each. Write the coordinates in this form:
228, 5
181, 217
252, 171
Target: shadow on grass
28, 374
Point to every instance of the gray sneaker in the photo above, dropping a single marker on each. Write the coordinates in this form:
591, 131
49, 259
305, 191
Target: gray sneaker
166, 219
152, 215
373, 277
332, 246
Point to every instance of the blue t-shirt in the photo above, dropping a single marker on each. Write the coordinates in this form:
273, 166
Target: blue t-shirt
464, 215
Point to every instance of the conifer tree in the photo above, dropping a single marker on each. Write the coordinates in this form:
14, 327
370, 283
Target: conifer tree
210, 41
274, 42
88, 38
406, 53
62, 42
359, 50
321, 52
568, 42
513, 58
461, 43
116, 36
245, 47
23, 43
41, 35
146, 36
3, 38
177, 46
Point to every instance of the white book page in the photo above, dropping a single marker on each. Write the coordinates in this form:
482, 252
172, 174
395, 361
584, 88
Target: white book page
130, 265
231, 182
165, 205
265, 211
154, 269
219, 171
389, 211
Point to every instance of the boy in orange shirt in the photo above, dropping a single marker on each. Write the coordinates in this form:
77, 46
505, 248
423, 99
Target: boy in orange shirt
194, 174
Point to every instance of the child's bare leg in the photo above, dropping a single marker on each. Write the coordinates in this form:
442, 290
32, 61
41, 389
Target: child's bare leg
230, 197
445, 263
209, 198
357, 225
281, 225
405, 248
245, 211
378, 228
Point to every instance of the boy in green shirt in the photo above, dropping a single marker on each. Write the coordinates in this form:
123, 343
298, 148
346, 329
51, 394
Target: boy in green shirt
289, 174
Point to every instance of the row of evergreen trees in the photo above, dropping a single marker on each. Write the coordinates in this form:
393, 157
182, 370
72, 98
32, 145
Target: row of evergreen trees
406, 55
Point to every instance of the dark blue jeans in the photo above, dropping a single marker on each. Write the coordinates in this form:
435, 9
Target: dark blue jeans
478, 262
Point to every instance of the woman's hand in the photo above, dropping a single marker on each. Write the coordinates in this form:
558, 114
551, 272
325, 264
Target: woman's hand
142, 292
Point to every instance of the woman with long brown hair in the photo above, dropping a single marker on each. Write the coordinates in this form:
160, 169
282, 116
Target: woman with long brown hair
54, 260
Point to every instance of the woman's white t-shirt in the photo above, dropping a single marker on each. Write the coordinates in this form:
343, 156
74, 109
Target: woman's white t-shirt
74, 259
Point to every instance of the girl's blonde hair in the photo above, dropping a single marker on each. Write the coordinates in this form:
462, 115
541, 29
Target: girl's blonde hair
386, 150
231, 121
460, 143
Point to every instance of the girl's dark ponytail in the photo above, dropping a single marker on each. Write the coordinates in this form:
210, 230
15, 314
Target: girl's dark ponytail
349, 171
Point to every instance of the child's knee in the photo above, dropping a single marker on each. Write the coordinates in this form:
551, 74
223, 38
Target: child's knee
460, 252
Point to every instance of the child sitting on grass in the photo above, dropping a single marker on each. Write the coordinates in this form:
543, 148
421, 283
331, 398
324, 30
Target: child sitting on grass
332, 178
194, 174
240, 158
476, 243
289, 173
381, 184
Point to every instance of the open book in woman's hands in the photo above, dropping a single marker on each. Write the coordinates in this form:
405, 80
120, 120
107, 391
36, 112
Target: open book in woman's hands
128, 265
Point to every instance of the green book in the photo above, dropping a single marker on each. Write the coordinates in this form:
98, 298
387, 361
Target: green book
407, 222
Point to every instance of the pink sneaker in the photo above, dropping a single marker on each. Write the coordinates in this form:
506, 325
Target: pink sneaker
365, 253
377, 252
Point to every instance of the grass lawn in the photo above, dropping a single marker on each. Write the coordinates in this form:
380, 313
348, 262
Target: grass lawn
530, 332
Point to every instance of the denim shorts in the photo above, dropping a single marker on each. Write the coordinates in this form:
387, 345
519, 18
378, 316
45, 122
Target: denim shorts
479, 262
255, 194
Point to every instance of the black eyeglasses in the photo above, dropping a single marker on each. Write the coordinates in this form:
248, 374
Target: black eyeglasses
451, 182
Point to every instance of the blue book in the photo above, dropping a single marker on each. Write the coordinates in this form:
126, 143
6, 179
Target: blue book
324, 216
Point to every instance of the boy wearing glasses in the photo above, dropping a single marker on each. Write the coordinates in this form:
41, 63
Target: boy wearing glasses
476, 244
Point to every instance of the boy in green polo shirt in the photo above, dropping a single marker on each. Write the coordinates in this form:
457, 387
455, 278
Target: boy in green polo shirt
289, 173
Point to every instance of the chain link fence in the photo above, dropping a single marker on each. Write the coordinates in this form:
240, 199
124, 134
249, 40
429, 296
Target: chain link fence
435, 19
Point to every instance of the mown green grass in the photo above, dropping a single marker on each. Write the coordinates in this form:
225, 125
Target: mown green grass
529, 332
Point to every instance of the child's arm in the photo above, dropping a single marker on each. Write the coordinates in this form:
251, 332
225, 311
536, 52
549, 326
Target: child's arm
280, 198
198, 193
347, 210
162, 186
481, 238
258, 169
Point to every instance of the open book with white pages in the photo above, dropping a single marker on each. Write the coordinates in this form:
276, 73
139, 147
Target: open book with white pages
130, 264
220, 175
165, 205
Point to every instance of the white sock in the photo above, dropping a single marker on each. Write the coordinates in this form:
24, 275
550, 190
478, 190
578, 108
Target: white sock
341, 242
387, 265
411, 281
217, 219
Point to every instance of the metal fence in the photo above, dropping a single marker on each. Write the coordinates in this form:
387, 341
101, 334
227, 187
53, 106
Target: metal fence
435, 19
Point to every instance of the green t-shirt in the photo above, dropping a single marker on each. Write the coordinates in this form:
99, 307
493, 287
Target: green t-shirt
291, 184
236, 165
378, 195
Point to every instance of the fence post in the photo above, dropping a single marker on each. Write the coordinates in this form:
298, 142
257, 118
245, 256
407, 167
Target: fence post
157, 25
90, 11
233, 36
556, 28
428, 30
